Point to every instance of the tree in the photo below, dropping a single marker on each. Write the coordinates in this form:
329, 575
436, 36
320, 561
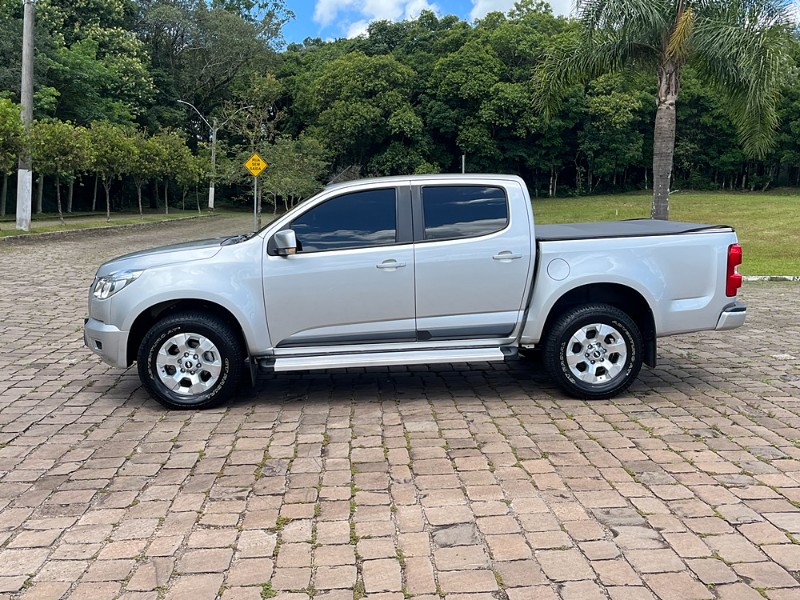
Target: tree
171, 156
111, 149
11, 137
143, 163
740, 47
59, 149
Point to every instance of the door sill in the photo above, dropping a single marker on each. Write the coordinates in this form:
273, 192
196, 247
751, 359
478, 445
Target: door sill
389, 359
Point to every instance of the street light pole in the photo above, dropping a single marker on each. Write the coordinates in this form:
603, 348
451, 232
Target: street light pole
25, 172
213, 152
212, 183
214, 129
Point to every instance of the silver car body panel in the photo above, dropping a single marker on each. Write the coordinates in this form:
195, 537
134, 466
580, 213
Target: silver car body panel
681, 277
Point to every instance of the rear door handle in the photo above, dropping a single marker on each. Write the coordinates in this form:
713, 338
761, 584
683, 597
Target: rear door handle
391, 264
507, 255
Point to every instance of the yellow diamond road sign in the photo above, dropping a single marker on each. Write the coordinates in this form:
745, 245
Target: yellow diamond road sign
255, 164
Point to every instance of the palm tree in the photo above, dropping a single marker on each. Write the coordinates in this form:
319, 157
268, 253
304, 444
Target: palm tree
739, 46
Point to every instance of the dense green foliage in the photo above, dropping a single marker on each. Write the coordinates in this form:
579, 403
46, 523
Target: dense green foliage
407, 97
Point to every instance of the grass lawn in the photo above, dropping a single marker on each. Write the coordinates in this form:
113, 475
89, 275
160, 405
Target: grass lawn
768, 224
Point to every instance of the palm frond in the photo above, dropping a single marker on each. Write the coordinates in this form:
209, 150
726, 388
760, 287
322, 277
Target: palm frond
576, 60
678, 44
638, 15
744, 54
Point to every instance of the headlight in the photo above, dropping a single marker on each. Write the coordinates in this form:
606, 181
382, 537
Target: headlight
107, 286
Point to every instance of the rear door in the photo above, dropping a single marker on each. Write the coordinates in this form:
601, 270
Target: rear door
472, 261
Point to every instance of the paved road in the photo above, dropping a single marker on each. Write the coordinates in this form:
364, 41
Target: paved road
465, 482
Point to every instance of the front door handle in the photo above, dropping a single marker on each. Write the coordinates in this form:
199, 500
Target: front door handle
507, 255
391, 264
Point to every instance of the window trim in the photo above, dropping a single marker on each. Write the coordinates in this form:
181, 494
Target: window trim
403, 221
419, 212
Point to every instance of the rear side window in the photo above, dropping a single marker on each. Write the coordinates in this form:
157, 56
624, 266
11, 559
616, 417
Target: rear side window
357, 220
453, 212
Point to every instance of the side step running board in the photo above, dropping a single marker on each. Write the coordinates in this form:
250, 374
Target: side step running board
387, 359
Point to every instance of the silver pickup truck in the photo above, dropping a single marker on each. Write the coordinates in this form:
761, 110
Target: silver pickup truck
412, 270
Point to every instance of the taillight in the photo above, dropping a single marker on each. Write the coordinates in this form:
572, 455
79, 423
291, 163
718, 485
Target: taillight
734, 280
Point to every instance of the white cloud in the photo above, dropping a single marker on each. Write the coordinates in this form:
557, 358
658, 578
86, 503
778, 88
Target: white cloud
355, 15
327, 11
358, 28
480, 8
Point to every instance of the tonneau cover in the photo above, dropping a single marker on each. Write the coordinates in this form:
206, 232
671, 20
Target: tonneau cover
619, 229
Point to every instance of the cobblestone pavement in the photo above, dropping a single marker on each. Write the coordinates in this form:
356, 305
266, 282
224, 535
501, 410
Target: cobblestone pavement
466, 482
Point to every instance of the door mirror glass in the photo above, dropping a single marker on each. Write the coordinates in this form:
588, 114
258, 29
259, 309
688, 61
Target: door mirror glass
286, 242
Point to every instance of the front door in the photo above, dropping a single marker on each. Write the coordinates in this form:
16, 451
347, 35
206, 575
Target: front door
352, 279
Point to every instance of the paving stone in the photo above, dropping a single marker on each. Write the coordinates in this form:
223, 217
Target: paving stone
677, 586
564, 565
460, 558
382, 575
462, 582
765, 575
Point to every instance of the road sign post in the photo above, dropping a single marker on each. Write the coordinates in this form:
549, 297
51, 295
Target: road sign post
256, 165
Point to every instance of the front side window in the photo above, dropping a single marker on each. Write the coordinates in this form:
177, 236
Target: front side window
357, 220
453, 212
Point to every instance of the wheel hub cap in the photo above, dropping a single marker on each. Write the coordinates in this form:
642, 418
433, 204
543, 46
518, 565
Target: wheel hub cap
596, 353
189, 364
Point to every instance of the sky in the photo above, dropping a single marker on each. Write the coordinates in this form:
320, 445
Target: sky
331, 19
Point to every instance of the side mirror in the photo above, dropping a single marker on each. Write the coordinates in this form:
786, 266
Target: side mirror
286, 242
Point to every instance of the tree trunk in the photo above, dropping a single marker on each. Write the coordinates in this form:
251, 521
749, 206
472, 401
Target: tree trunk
58, 200
154, 197
4, 195
166, 197
39, 194
70, 194
664, 138
107, 186
139, 196
94, 193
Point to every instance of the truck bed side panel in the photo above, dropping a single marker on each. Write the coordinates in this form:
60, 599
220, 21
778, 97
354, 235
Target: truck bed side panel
682, 277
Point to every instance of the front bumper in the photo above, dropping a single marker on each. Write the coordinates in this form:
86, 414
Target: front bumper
732, 316
108, 342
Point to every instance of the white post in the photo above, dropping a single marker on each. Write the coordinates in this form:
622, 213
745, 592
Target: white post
463, 163
25, 173
212, 183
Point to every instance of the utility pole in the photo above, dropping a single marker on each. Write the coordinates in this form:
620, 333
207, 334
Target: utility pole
25, 172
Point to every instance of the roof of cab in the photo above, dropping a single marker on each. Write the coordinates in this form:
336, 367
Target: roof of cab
412, 179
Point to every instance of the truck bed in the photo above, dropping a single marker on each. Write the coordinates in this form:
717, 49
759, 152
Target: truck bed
619, 229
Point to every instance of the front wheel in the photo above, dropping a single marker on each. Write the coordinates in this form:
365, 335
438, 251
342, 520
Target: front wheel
190, 360
594, 352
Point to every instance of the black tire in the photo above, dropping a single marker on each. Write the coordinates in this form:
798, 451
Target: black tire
214, 343
589, 367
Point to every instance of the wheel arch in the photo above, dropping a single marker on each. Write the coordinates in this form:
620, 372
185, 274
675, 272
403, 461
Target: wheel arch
620, 296
150, 316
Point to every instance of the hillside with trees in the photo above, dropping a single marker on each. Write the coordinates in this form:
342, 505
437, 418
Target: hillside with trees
127, 93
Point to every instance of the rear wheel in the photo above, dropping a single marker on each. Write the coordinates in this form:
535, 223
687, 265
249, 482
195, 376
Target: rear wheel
594, 352
190, 360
